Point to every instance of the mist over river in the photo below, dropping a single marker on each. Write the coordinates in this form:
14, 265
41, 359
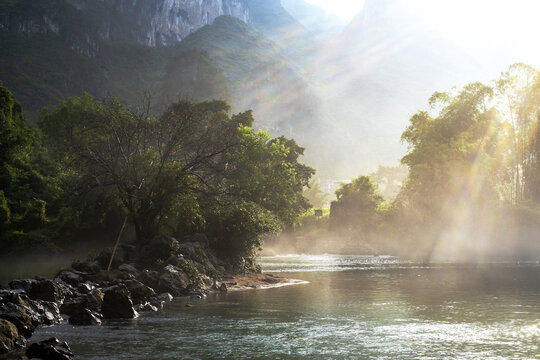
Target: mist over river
354, 307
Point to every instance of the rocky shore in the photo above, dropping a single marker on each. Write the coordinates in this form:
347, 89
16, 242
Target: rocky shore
88, 294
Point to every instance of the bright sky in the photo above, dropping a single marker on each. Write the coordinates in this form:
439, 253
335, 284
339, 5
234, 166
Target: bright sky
507, 29
345, 9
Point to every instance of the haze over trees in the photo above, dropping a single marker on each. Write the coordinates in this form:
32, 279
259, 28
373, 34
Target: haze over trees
472, 182
195, 168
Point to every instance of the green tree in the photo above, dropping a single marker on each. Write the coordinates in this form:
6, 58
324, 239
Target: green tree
356, 205
519, 94
28, 192
150, 164
315, 195
262, 192
451, 155
193, 168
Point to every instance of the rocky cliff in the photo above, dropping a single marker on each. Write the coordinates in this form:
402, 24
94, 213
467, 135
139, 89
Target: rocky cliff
167, 22
149, 22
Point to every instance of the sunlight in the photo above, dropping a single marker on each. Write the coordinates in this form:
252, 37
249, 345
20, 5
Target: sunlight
483, 27
344, 9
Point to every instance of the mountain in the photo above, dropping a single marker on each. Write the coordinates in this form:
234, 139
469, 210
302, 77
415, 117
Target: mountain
314, 18
149, 22
53, 49
345, 97
379, 71
256, 73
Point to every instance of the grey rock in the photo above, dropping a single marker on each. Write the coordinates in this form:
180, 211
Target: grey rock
89, 267
92, 301
147, 307
19, 316
70, 278
149, 278
173, 280
139, 292
117, 303
45, 289
85, 288
83, 316
45, 312
129, 269
50, 349
22, 284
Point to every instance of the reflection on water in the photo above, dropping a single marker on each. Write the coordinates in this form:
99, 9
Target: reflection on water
355, 307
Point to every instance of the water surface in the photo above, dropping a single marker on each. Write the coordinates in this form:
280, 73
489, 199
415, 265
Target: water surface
354, 307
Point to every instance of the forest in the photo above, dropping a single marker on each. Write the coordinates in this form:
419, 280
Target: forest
473, 181
473, 166
195, 168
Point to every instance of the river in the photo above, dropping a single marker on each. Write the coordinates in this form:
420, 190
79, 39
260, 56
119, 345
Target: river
354, 307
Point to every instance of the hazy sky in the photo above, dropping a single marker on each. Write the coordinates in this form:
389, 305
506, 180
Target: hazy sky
495, 32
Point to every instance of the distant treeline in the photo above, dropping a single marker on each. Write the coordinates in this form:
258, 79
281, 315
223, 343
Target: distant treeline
193, 169
473, 183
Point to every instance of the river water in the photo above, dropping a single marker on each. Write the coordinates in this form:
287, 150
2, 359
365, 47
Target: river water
354, 307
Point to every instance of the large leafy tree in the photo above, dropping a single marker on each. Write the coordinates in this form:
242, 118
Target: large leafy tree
261, 192
451, 155
356, 205
28, 192
519, 95
151, 165
193, 168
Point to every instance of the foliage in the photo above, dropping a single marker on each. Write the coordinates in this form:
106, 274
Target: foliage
193, 168
447, 150
28, 191
356, 204
390, 179
519, 101
314, 194
262, 192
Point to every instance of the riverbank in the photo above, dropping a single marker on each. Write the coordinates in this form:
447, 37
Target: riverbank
90, 292
252, 281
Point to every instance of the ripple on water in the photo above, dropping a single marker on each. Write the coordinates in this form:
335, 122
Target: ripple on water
355, 307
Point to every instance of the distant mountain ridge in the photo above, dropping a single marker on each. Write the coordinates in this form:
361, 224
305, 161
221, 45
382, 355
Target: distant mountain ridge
345, 97
149, 22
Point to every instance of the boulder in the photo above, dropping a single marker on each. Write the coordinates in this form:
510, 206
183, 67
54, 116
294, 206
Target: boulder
85, 288
146, 306
161, 248
196, 238
92, 301
22, 284
149, 278
83, 316
117, 303
66, 290
16, 296
160, 300
199, 254
45, 289
51, 349
45, 312
19, 316
89, 267
70, 278
173, 280
129, 269
8, 336
140, 293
